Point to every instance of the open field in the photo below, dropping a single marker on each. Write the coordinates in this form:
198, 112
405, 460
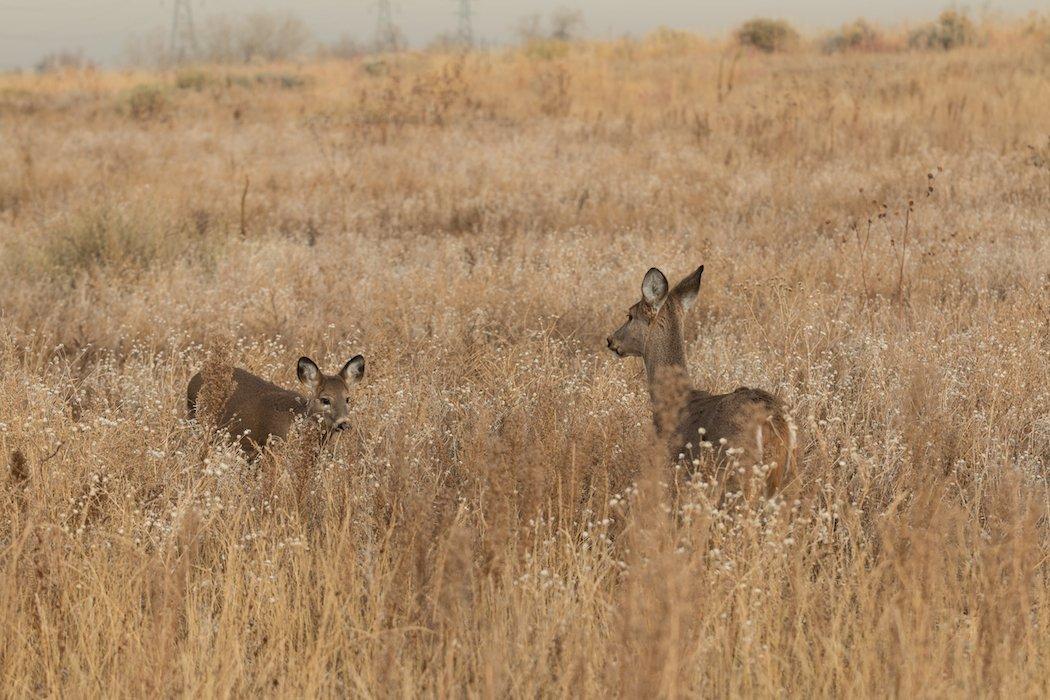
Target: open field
496, 522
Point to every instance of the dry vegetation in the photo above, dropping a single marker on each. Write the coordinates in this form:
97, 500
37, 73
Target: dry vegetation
496, 523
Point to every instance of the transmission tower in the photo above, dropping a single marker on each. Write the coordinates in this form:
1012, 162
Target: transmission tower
386, 32
183, 35
465, 31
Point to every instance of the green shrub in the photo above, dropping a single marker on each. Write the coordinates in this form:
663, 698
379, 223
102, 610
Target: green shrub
145, 102
280, 81
192, 80
119, 239
375, 68
855, 36
241, 81
951, 30
1037, 27
670, 42
546, 49
284, 81
102, 238
767, 35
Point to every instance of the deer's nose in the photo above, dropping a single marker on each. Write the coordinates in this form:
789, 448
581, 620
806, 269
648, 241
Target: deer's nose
342, 425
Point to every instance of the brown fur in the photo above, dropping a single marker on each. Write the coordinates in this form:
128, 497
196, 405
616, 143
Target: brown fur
258, 411
753, 422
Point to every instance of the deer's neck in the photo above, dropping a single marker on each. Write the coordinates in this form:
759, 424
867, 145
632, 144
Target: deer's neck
664, 358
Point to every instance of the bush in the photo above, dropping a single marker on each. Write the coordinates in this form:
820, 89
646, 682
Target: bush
1037, 27
145, 102
271, 37
121, 239
664, 41
855, 36
447, 42
282, 81
951, 30
104, 237
546, 49
191, 80
258, 37
767, 35
564, 26
344, 48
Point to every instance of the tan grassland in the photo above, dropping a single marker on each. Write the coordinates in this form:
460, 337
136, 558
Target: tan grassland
875, 230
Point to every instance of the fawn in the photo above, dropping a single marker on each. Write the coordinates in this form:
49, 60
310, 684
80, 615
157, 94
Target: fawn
258, 410
754, 424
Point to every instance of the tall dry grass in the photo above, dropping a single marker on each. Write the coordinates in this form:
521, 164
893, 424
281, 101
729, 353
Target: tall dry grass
497, 523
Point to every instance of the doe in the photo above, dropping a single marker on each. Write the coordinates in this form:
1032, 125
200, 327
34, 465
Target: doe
259, 410
754, 424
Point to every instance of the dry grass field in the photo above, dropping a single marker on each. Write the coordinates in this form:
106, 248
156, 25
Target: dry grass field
875, 229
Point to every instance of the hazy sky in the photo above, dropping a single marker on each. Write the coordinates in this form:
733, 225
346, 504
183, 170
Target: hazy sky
32, 28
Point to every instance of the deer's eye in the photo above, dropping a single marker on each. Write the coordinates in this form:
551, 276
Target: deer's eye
326, 401
347, 400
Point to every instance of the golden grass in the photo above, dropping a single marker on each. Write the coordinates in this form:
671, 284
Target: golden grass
497, 524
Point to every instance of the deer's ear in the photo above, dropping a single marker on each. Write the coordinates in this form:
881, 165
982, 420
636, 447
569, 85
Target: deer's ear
308, 373
654, 288
353, 370
688, 289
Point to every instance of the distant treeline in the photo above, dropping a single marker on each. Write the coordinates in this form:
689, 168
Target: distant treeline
264, 37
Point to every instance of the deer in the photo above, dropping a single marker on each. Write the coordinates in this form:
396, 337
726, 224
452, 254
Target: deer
747, 428
259, 411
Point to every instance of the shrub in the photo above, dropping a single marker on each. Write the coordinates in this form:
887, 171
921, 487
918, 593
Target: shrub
344, 48
564, 26
951, 30
664, 41
376, 68
258, 37
282, 81
106, 237
767, 35
855, 36
267, 81
271, 37
546, 49
1037, 27
118, 239
145, 102
191, 80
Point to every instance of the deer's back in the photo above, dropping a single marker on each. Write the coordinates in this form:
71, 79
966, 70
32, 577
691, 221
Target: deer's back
257, 407
752, 421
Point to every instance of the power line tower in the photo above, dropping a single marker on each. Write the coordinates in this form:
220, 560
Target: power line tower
387, 34
183, 34
465, 30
